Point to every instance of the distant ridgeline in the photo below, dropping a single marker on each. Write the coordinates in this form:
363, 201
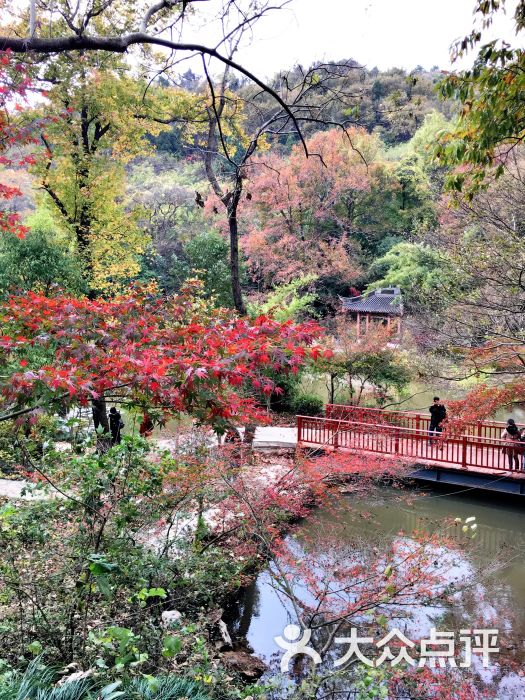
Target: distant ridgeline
392, 102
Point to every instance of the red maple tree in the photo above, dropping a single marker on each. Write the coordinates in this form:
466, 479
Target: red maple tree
298, 211
173, 354
14, 84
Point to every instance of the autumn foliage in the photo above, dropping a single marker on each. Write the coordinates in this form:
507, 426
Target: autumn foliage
14, 83
298, 211
169, 353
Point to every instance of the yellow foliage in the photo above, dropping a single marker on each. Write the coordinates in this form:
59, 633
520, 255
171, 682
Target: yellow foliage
104, 118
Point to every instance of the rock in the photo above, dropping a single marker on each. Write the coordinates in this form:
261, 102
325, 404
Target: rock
63, 446
170, 617
225, 636
249, 667
77, 676
214, 620
214, 616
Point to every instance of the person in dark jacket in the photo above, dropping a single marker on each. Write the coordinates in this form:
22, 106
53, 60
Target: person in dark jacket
438, 413
115, 425
514, 449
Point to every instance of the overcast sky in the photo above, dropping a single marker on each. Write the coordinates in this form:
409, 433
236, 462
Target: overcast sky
382, 33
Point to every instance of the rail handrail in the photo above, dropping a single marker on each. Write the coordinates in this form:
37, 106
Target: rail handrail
415, 431
489, 429
372, 408
369, 409
466, 451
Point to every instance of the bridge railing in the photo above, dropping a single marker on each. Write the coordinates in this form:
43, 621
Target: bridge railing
464, 451
408, 419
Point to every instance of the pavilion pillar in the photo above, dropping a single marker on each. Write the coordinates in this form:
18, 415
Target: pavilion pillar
358, 325
388, 320
399, 325
367, 323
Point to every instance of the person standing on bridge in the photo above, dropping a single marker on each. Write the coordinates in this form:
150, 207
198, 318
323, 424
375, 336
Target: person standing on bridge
438, 414
512, 434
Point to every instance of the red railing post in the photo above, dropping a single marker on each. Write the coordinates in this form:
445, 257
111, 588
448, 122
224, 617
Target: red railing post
464, 452
374, 436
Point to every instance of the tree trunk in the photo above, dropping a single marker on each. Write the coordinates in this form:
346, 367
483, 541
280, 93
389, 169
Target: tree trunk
101, 420
332, 388
234, 263
249, 437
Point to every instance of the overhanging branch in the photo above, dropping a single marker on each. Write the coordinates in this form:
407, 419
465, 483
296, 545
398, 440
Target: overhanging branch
123, 43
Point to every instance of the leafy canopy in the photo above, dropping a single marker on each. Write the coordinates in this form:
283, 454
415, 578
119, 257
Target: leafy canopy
174, 354
492, 119
422, 272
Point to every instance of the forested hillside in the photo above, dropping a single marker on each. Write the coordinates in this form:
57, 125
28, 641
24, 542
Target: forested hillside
262, 346
382, 189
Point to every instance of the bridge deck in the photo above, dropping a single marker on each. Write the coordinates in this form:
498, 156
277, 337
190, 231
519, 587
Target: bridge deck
466, 454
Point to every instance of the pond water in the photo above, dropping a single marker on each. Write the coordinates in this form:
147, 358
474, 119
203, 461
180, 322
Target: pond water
493, 564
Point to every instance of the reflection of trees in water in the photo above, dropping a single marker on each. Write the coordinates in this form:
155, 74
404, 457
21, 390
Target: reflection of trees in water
249, 609
243, 610
490, 597
490, 540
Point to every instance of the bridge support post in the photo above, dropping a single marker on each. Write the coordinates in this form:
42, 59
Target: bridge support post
335, 435
464, 452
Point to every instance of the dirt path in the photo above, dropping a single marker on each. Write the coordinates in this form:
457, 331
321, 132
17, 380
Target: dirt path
266, 437
13, 489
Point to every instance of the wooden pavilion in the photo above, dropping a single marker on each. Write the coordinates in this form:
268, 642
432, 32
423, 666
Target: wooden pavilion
380, 307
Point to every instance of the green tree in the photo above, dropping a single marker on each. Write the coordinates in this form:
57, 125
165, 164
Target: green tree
83, 173
100, 123
423, 273
398, 203
424, 140
492, 120
206, 255
363, 368
39, 262
288, 302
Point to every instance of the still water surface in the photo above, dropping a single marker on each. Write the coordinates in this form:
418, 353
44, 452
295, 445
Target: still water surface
493, 562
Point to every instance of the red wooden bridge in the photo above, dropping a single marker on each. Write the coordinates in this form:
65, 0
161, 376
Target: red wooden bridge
474, 456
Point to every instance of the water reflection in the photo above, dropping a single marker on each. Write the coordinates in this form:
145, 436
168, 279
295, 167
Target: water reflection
494, 562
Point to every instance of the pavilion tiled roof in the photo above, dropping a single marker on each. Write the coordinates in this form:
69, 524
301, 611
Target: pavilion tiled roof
387, 302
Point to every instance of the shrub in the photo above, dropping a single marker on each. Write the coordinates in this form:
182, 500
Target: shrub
39, 683
19, 441
164, 688
39, 262
307, 404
